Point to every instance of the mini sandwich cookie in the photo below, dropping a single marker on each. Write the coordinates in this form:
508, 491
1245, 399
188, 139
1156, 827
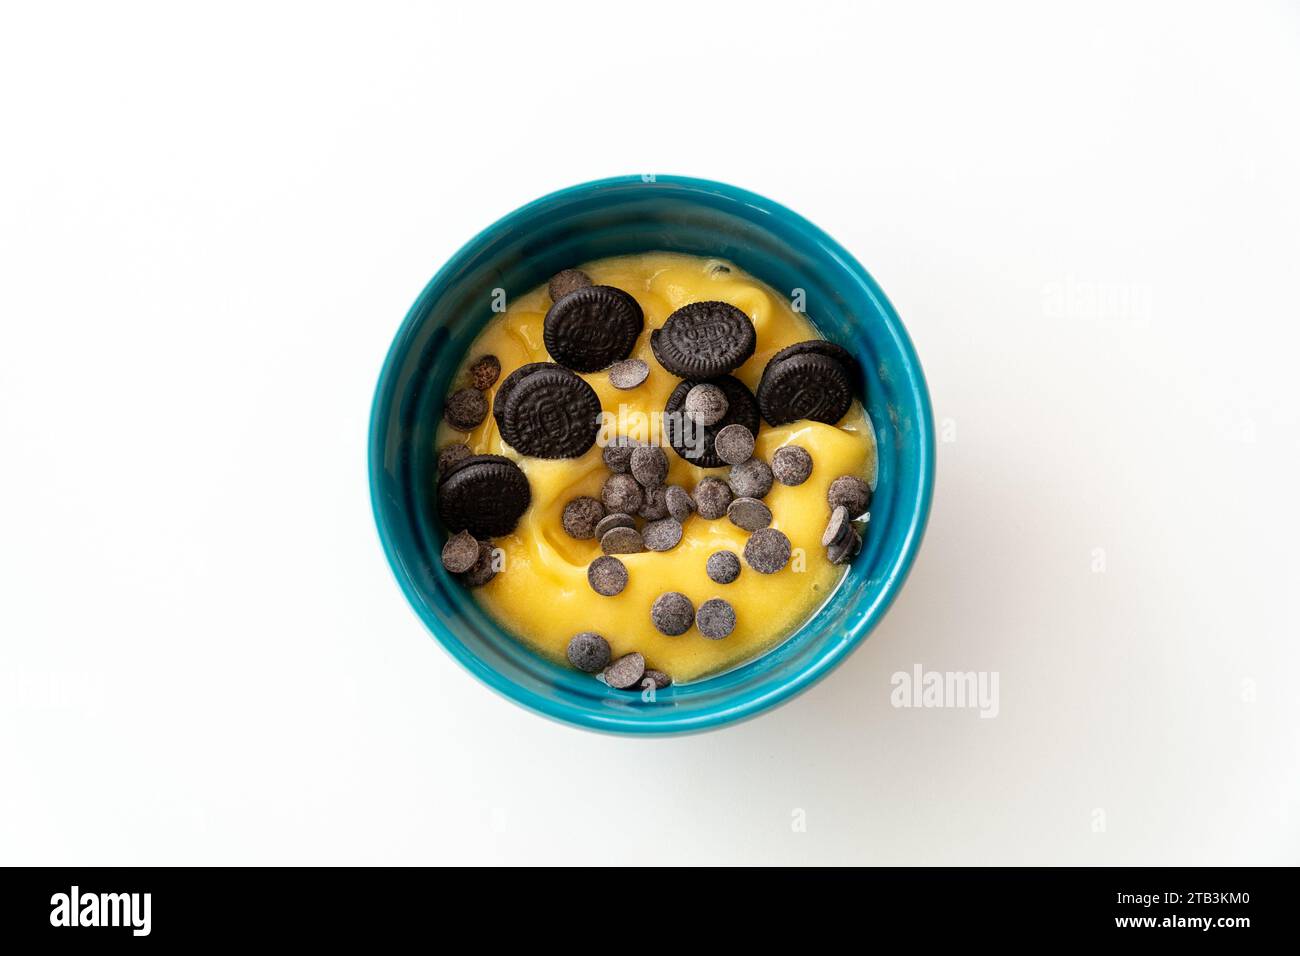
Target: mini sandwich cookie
544, 410
815, 380
484, 495
704, 340
592, 327
696, 442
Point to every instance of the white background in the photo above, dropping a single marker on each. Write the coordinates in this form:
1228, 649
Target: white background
212, 223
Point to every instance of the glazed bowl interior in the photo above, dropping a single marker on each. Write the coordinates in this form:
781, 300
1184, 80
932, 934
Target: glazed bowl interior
618, 217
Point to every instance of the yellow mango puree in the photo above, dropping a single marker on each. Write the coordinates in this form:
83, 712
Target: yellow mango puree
542, 595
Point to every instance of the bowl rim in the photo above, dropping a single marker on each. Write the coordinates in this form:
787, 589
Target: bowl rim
799, 681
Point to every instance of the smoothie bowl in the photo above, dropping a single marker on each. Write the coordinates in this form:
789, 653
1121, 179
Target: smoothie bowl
651, 455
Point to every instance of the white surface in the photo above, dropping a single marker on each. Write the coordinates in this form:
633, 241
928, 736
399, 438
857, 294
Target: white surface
212, 224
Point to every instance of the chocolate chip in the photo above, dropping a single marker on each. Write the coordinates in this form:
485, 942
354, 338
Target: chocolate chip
570, 280
629, 373
791, 465
607, 575
484, 495
767, 551
616, 520
712, 495
719, 269
704, 340
679, 503
655, 505
715, 619
591, 328
843, 550
550, 413
705, 404
465, 409
483, 373
672, 613
452, 454
734, 444
837, 527
659, 679
618, 454
828, 349
460, 552
622, 494
749, 514
662, 535
696, 442
484, 569
581, 515
807, 386
622, 541
588, 652
851, 492
750, 479
649, 466
723, 567
626, 671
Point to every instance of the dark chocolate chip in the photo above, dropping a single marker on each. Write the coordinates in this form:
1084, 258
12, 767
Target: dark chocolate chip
626, 671
616, 520
842, 551
851, 492
837, 527
704, 340
466, 408
791, 465
715, 619
607, 575
629, 373
712, 495
672, 613
484, 495
662, 535
551, 413
734, 444
588, 652
484, 372
621, 494
581, 515
767, 551
460, 552
695, 443
828, 349
723, 567
569, 280
649, 466
622, 541
655, 505
484, 569
750, 479
679, 503
451, 454
719, 269
593, 327
750, 514
807, 386
618, 454
705, 404
659, 679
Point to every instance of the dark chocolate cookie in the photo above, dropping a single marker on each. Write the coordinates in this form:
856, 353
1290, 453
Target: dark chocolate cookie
592, 327
806, 386
704, 340
507, 386
551, 413
830, 350
694, 442
484, 495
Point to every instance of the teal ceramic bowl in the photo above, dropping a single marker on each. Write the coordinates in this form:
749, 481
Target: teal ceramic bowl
617, 217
